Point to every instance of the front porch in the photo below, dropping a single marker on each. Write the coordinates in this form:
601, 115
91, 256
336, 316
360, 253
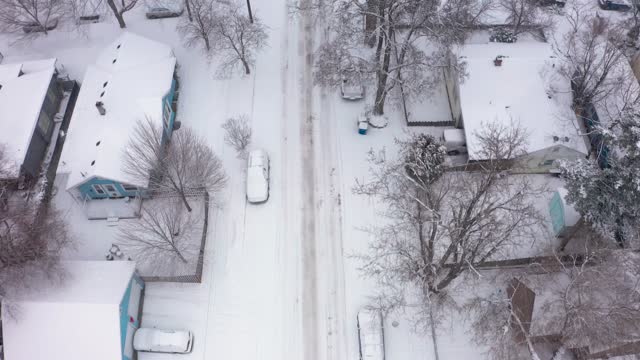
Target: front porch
113, 209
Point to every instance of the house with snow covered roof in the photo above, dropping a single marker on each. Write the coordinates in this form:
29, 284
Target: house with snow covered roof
92, 314
133, 79
516, 84
623, 92
538, 301
30, 99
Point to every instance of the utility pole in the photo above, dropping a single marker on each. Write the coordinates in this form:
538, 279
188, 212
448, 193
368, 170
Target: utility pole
250, 14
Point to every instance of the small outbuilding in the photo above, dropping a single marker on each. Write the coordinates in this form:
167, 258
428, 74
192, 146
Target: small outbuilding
92, 314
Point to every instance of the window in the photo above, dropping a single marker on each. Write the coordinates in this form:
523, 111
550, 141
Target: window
548, 162
51, 95
130, 188
110, 188
166, 114
44, 123
98, 189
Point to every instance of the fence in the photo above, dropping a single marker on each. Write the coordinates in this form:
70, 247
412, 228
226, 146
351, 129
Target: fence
197, 277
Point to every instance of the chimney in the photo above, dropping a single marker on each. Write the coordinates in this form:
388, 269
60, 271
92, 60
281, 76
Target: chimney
498, 60
101, 108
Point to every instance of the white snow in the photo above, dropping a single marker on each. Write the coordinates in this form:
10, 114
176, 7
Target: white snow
539, 101
76, 320
130, 77
23, 87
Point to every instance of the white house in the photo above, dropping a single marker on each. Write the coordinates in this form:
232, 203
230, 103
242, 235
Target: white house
133, 79
30, 97
92, 314
517, 84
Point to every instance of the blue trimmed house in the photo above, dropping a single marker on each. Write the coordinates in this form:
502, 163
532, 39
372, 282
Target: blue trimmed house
93, 315
133, 79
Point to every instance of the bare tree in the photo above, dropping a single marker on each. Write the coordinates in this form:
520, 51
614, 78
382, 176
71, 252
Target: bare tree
237, 134
81, 12
121, 7
165, 235
525, 16
199, 26
39, 15
591, 57
32, 237
184, 165
589, 303
598, 303
187, 4
440, 224
236, 39
500, 327
399, 31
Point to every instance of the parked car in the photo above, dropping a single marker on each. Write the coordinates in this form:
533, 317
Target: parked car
258, 176
163, 341
34, 27
558, 3
88, 19
351, 89
370, 335
616, 5
455, 141
163, 12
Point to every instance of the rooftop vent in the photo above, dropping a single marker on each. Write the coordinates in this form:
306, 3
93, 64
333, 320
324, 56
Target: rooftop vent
98, 143
498, 60
100, 107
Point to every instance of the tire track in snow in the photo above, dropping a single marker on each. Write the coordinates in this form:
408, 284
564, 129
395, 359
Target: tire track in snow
310, 318
289, 239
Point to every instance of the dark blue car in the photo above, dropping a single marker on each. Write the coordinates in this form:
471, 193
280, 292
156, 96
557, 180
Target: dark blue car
616, 5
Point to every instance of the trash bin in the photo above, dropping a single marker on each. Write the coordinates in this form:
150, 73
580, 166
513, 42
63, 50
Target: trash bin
363, 125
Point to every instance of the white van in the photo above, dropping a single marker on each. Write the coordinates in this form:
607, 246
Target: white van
370, 335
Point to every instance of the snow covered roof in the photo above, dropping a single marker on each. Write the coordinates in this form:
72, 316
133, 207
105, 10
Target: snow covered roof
623, 94
130, 77
78, 319
23, 87
525, 90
